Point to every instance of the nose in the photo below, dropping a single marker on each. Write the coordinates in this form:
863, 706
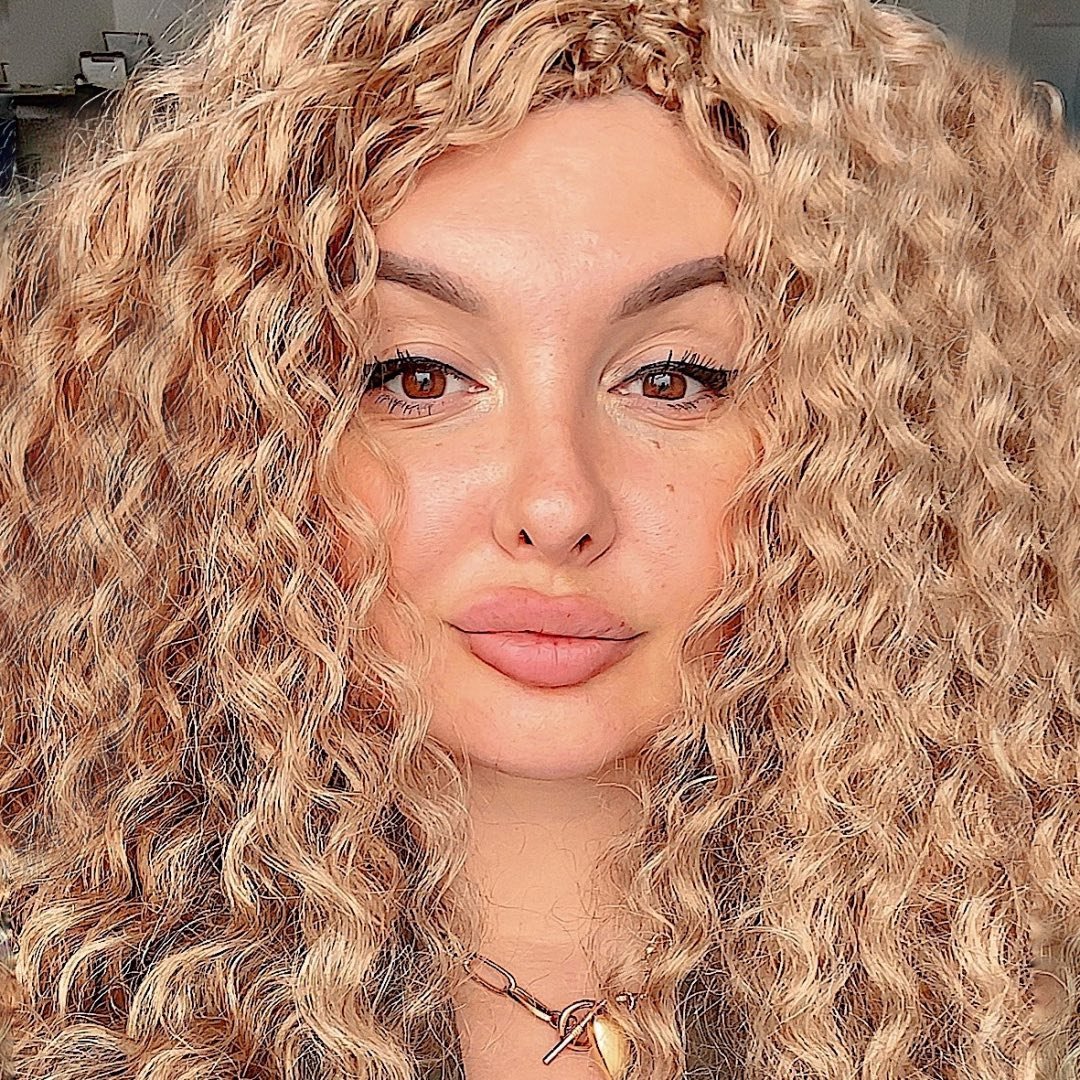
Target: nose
557, 505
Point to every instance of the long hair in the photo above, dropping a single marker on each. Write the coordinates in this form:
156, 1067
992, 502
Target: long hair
227, 846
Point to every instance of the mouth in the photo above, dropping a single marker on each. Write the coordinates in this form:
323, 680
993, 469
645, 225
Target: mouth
546, 660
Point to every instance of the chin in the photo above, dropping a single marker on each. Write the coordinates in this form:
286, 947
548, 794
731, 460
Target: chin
527, 767
531, 755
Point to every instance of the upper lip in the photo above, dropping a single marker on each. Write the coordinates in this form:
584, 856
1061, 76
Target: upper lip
518, 610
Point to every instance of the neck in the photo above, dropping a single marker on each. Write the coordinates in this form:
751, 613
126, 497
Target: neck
535, 845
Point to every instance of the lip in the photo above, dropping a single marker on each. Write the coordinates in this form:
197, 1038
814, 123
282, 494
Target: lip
518, 610
546, 641
547, 660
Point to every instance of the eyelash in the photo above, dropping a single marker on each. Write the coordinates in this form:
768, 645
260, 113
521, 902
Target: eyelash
715, 379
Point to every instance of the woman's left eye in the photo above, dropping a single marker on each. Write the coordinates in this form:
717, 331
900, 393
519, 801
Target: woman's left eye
693, 365
424, 380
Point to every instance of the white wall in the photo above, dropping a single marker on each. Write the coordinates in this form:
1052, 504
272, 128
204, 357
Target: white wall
45, 37
171, 23
1046, 44
5, 30
40, 40
1040, 38
950, 15
984, 25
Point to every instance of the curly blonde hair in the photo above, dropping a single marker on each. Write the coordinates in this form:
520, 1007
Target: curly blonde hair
227, 846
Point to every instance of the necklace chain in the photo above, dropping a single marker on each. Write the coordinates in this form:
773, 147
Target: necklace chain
574, 1033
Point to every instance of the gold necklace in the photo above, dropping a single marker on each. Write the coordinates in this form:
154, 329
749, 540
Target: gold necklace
594, 1032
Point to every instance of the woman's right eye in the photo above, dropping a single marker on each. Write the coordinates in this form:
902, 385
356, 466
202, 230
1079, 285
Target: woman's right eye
424, 382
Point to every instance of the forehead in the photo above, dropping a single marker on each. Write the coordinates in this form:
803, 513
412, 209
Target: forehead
607, 189
588, 160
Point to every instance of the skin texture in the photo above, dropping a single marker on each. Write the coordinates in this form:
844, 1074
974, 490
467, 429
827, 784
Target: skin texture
537, 227
552, 226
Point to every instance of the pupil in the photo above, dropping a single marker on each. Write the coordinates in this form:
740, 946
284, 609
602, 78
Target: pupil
665, 391
424, 382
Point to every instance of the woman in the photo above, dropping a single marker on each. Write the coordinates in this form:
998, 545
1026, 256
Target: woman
541, 541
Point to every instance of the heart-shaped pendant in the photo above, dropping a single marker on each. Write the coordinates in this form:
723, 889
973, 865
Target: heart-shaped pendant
609, 1046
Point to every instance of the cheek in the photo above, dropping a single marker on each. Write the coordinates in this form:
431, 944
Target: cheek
700, 507
365, 490
740, 457
442, 517
439, 508
362, 477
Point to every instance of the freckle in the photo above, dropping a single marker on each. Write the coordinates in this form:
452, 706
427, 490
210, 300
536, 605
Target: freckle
671, 488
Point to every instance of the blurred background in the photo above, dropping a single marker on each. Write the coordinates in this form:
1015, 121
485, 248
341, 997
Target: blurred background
61, 59
1038, 37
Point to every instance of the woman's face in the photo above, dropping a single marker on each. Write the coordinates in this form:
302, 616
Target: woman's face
545, 460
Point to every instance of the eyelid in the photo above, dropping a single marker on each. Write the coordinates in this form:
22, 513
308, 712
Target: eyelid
423, 358
710, 373
634, 367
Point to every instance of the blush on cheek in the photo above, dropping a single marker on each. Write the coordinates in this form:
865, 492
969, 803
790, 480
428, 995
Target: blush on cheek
363, 487
362, 480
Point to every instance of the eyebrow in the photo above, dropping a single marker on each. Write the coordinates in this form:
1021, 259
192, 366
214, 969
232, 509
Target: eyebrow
662, 286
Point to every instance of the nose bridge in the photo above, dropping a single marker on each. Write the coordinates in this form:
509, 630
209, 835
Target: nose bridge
558, 446
557, 485
551, 404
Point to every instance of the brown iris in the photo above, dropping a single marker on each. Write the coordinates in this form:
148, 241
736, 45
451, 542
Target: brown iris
426, 382
679, 387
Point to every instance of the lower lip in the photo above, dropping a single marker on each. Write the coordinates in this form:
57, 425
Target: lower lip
544, 660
